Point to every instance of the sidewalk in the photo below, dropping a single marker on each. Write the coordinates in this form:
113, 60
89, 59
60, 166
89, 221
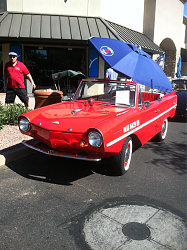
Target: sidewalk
18, 151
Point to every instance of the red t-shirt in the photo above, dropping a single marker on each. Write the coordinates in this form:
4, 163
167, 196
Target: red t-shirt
16, 74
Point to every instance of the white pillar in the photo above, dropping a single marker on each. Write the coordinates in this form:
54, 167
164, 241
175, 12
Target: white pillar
5, 57
101, 72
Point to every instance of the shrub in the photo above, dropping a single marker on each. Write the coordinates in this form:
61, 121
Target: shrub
9, 115
1, 115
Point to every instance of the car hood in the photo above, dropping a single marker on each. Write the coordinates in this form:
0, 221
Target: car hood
72, 116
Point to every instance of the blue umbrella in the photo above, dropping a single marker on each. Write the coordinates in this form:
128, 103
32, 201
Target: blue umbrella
138, 50
179, 64
131, 62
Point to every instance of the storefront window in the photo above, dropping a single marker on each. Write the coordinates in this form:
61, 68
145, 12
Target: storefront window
43, 62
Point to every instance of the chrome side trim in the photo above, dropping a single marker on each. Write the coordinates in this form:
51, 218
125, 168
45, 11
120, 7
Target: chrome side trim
58, 153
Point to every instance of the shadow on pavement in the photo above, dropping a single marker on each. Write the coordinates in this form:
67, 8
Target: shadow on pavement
63, 171
178, 119
172, 156
56, 170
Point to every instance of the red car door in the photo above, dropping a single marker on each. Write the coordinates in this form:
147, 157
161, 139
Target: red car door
150, 119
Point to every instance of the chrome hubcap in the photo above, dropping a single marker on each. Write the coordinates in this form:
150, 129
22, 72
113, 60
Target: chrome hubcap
163, 128
127, 153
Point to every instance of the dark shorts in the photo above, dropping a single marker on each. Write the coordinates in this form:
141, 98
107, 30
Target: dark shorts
11, 94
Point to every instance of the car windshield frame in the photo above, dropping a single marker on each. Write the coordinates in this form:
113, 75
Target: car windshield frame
114, 93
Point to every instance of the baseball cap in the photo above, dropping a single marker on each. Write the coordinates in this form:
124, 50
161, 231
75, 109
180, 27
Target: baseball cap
12, 54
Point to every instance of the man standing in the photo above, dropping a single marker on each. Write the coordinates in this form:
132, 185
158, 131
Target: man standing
111, 74
14, 72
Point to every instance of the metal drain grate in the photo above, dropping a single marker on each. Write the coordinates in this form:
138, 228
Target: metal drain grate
136, 231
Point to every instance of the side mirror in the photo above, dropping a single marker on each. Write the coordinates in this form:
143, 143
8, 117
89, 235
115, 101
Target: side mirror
146, 104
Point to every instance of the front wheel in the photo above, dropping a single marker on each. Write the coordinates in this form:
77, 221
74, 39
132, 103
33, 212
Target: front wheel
121, 161
162, 134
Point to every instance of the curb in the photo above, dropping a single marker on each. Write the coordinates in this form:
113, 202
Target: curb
15, 154
2, 160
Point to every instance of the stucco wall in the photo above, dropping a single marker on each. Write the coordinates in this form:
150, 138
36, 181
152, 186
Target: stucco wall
149, 18
71, 7
168, 21
125, 12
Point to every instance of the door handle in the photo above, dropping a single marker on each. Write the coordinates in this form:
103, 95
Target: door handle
156, 111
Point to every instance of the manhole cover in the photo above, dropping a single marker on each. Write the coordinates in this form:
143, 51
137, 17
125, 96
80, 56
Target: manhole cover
136, 231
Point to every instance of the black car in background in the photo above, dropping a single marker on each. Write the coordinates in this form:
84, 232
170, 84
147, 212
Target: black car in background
180, 85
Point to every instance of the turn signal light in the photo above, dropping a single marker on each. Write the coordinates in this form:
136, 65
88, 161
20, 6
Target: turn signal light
82, 144
31, 133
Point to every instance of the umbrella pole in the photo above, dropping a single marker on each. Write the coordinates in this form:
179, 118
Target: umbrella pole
55, 85
58, 86
151, 86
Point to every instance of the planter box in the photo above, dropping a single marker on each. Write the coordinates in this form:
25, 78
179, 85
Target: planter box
44, 98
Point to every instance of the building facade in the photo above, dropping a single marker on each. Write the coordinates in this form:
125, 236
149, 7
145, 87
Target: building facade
51, 35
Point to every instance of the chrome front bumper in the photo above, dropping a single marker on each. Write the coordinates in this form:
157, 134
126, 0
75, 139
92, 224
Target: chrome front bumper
58, 153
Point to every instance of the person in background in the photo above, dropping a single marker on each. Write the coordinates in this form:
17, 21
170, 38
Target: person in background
14, 72
111, 74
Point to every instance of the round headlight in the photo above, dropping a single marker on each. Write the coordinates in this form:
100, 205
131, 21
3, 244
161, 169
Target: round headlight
24, 125
94, 139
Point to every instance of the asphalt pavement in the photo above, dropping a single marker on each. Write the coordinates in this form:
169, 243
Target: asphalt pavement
54, 203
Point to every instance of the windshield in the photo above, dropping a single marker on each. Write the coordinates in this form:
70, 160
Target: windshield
179, 84
106, 92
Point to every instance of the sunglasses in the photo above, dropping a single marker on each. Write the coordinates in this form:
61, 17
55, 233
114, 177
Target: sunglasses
12, 56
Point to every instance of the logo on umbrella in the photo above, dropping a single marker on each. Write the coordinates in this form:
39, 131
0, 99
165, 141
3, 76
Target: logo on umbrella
106, 51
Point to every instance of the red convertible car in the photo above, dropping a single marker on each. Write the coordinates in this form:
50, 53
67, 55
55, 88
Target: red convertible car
104, 119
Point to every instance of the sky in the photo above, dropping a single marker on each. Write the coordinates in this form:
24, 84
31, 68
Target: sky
185, 9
